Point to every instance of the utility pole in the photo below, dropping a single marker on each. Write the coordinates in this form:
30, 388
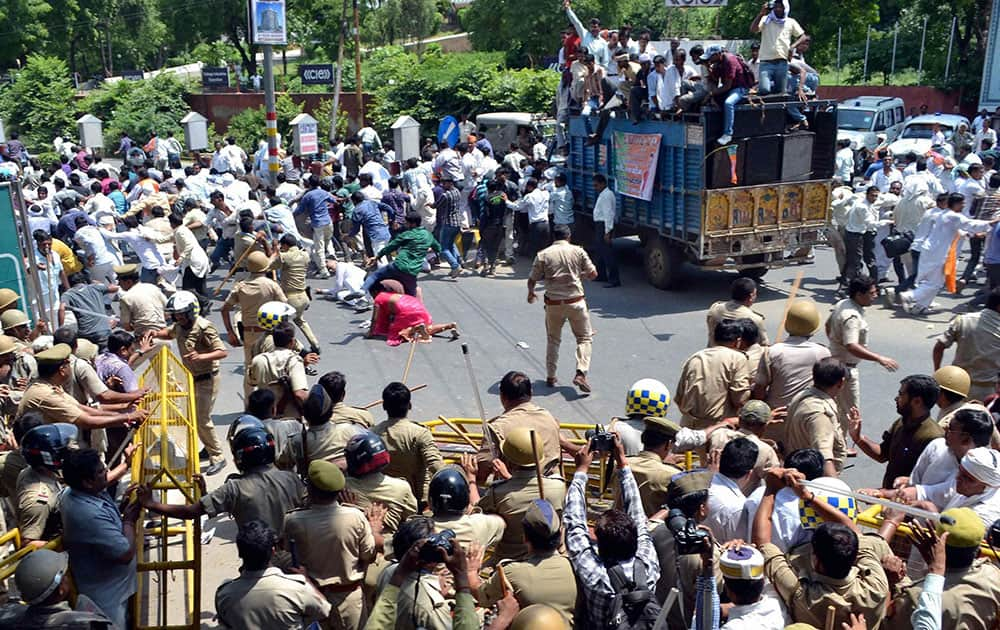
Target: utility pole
357, 67
271, 115
339, 73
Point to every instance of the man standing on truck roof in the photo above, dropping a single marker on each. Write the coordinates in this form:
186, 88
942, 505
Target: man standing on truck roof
777, 33
735, 81
590, 38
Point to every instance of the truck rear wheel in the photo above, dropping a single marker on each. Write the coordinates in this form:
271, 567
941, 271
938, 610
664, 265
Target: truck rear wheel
753, 272
662, 261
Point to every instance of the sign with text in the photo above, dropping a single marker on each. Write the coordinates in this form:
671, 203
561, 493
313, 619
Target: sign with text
267, 22
132, 75
636, 155
215, 77
316, 74
308, 138
688, 4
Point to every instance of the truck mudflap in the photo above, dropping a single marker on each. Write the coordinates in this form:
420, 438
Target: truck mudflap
754, 226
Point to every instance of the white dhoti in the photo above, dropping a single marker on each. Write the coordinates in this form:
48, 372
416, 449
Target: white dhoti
882, 262
930, 279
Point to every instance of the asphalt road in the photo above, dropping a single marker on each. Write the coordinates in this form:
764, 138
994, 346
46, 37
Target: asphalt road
640, 332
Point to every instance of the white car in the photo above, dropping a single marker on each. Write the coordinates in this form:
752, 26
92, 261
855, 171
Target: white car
869, 121
917, 132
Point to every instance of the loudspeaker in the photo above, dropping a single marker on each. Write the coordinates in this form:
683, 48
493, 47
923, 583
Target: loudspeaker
824, 124
761, 160
748, 121
796, 156
720, 173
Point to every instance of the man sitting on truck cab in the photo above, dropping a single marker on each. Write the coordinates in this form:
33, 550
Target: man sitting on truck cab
734, 79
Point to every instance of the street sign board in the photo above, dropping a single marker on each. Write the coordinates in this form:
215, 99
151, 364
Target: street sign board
214, 77
316, 74
132, 75
267, 22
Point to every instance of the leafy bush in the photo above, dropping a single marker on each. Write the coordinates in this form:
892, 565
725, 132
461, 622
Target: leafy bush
139, 107
451, 84
322, 115
248, 127
39, 103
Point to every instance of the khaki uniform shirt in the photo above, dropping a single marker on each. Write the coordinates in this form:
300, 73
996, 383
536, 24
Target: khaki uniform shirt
414, 455
142, 308
264, 493
485, 529
902, 445
420, 606
865, 590
812, 423
969, 600
266, 344
766, 456
333, 542
292, 266
562, 265
529, 415
538, 579
202, 337
393, 493
786, 368
269, 599
653, 477
714, 383
326, 441
51, 401
846, 325
250, 294
734, 310
37, 501
13, 464
25, 365
271, 369
511, 498
343, 412
84, 384
978, 338
242, 242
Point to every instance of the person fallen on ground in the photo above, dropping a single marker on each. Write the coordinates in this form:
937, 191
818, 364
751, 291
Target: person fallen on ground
404, 318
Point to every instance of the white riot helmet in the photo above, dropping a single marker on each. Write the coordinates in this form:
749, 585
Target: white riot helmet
183, 303
270, 314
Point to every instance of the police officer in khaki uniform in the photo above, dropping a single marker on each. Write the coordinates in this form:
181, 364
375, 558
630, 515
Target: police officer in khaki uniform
292, 263
976, 337
281, 370
249, 295
201, 349
15, 325
714, 382
520, 411
563, 266
140, 304
322, 438
367, 459
847, 330
42, 581
259, 492
8, 299
511, 496
414, 456
652, 474
545, 576
451, 493
263, 596
812, 417
334, 543
47, 396
269, 315
38, 485
971, 585
955, 386
785, 368
754, 419
10, 388
743, 294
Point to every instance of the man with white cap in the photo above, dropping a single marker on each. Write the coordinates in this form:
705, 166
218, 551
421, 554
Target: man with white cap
742, 569
974, 485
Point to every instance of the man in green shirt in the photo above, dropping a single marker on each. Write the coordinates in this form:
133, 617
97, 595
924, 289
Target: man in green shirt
412, 245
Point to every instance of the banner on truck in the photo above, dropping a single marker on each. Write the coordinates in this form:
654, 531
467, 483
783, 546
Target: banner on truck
635, 163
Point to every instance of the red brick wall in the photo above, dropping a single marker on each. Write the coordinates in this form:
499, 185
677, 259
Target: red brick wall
913, 96
220, 107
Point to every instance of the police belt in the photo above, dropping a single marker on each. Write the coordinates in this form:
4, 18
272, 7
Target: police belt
341, 588
572, 300
204, 377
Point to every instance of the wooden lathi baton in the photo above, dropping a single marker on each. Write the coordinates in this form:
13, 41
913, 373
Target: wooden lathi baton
788, 305
236, 266
415, 388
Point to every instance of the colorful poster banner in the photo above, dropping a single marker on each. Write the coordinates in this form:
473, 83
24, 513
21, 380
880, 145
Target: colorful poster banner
636, 155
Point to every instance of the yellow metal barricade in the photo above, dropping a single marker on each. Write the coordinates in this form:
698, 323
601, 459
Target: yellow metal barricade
166, 459
872, 517
8, 564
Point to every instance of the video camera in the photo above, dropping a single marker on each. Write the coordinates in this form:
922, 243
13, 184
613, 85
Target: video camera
438, 546
601, 440
689, 537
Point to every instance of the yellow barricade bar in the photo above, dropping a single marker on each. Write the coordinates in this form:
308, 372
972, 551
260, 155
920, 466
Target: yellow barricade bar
872, 517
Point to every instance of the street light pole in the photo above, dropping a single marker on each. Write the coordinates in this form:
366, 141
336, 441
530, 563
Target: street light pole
271, 116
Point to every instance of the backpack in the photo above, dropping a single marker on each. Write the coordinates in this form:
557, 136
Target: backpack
633, 606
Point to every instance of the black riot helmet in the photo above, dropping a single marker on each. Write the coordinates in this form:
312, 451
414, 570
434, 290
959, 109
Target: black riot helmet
365, 454
449, 492
48, 444
252, 447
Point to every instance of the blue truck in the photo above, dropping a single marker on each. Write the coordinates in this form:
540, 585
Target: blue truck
757, 203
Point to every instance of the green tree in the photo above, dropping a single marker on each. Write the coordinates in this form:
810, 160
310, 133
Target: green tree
248, 127
23, 24
141, 107
419, 19
39, 102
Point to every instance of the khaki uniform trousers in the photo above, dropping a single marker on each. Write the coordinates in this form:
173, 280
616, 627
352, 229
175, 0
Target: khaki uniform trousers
205, 392
300, 301
347, 610
835, 239
579, 322
250, 337
850, 396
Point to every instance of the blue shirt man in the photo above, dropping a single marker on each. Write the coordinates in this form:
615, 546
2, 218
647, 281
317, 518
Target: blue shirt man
315, 203
561, 202
368, 214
